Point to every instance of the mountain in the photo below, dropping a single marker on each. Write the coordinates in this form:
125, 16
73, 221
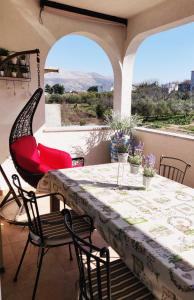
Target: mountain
79, 81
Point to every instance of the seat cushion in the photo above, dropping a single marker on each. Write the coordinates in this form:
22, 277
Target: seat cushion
124, 284
55, 232
26, 153
54, 158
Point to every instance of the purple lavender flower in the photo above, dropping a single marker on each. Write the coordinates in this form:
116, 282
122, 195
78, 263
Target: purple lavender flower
135, 148
149, 160
139, 148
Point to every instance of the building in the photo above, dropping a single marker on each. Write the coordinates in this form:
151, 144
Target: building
184, 86
170, 86
192, 81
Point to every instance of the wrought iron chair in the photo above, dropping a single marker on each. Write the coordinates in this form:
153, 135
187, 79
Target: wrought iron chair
47, 231
173, 168
99, 278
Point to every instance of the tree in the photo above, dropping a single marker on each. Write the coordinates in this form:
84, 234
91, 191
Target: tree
48, 89
93, 88
58, 89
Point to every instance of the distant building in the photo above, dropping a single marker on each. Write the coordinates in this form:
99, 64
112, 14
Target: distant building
184, 86
171, 86
192, 82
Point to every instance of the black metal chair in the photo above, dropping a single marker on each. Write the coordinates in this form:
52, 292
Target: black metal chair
47, 231
173, 168
100, 279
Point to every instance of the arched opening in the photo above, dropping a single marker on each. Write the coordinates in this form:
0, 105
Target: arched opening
163, 80
78, 82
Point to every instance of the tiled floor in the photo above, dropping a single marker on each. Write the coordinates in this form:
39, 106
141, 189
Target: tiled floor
58, 278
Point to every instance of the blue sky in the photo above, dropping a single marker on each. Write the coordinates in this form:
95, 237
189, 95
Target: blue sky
166, 56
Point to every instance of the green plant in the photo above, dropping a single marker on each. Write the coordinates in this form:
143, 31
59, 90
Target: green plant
135, 159
14, 69
149, 163
4, 52
100, 109
23, 57
82, 122
23, 69
148, 172
121, 125
122, 148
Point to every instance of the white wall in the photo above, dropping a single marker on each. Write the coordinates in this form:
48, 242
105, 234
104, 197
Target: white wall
169, 144
90, 142
20, 29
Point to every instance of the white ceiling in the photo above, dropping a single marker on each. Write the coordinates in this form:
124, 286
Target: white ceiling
119, 8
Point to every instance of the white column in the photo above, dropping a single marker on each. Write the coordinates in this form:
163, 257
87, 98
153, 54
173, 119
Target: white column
123, 86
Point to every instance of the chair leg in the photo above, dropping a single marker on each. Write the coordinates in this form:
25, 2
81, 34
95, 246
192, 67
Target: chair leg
38, 273
21, 260
70, 252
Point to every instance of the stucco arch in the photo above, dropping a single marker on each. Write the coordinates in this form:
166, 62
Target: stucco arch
132, 44
112, 54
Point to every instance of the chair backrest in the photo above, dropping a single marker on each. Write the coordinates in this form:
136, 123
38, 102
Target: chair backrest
93, 263
173, 168
31, 207
23, 123
23, 127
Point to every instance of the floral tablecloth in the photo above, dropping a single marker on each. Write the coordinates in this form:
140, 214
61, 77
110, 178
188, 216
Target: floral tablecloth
152, 230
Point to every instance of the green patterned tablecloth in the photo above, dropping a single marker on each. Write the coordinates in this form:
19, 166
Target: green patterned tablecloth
153, 230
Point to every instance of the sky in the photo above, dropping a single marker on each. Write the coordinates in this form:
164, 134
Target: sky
166, 56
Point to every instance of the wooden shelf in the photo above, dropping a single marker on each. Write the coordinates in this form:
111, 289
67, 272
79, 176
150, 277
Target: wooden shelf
14, 78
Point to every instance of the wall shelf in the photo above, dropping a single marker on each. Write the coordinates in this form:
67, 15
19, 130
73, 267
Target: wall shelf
20, 66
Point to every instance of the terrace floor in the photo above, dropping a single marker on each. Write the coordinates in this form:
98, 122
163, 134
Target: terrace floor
59, 275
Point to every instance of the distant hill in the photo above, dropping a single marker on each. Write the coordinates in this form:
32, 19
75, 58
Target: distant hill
79, 81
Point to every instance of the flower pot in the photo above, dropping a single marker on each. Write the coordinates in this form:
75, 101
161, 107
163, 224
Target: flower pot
22, 62
25, 75
134, 168
114, 144
2, 73
2, 57
122, 157
147, 181
14, 74
14, 60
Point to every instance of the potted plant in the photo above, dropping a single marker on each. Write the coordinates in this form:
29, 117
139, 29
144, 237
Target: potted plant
135, 155
122, 151
14, 71
135, 162
2, 72
24, 71
23, 59
122, 128
148, 170
3, 53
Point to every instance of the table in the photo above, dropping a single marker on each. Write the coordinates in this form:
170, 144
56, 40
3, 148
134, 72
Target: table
153, 230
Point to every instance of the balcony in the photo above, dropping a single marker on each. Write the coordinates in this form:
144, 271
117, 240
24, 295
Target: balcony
120, 41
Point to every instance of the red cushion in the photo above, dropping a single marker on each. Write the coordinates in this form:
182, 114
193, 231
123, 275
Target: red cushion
44, 168
54, 158
26, 153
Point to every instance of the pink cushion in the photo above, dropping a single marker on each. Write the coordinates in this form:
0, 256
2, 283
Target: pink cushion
54, 158
26, 153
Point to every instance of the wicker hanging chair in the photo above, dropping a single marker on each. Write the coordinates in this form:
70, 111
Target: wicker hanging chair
11, 207
23, 127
